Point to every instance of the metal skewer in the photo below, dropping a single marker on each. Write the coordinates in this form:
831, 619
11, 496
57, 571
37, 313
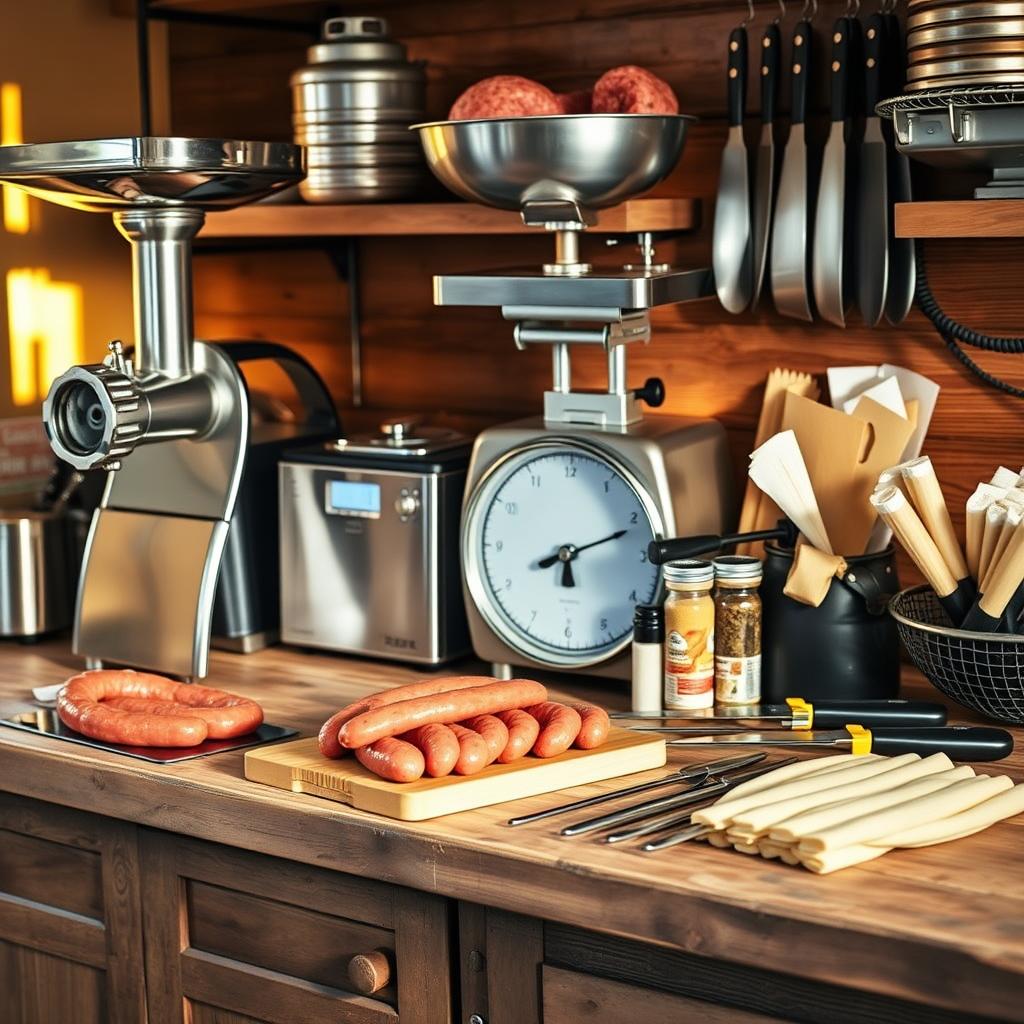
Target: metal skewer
650, 808
693, 832
692, 773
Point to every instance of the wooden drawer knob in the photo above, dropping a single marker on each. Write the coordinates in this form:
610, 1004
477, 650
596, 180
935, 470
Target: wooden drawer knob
369, 972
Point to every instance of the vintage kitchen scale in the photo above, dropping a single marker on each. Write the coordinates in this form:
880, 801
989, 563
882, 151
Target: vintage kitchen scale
559, 509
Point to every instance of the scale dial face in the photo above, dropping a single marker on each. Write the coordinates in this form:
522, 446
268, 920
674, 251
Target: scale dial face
555, 549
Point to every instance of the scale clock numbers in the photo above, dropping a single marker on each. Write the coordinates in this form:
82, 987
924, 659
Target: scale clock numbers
555, 547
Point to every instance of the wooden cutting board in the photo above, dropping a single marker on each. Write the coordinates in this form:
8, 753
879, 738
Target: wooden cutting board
299, 766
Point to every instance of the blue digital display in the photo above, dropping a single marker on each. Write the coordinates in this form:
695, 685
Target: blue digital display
353, 496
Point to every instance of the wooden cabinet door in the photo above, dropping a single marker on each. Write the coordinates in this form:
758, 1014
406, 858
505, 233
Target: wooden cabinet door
234, 938
70, 917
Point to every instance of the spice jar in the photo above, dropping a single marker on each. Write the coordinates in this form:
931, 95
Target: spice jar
737, 630
648, 658
689, 634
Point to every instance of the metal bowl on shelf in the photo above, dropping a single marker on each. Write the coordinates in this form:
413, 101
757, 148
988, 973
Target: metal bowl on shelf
590, 160
103, 175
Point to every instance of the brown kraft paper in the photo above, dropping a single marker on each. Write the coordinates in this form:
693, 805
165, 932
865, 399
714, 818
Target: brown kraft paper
812, 573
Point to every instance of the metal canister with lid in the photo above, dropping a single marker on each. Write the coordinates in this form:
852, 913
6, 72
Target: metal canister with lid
352, 107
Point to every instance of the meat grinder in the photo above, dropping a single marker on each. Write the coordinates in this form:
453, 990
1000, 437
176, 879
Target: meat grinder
146, 591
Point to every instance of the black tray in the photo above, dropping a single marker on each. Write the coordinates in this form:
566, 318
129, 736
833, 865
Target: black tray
44, 722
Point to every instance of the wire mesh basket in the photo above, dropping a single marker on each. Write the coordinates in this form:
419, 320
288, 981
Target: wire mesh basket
981, 671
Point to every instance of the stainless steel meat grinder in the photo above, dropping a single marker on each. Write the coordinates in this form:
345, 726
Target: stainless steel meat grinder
146, 593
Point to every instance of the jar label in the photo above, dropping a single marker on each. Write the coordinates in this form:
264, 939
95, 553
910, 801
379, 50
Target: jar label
738, 680
689, 667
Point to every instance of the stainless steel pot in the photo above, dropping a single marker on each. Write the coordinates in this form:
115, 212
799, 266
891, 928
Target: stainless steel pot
39, 564
352, 106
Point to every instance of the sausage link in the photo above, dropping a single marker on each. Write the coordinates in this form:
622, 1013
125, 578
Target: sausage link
392, 759
493, 730
439, 746
523, 729
559, 727
328, 738
445, 708
472, 751
162, 712
595, 725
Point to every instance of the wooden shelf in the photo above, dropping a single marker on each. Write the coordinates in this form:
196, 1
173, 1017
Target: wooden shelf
961, 218
297, 220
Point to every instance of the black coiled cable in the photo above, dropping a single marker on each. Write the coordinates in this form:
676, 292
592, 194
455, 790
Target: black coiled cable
953, 332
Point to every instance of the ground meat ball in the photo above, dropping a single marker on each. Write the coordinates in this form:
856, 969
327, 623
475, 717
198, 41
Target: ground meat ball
504, 96
578, 102
633, 90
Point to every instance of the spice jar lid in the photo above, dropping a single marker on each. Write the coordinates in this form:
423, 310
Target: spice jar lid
649, 624
689, 570
737, 568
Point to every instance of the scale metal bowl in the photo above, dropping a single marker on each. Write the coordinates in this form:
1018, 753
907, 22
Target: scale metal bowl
104, 175
589, 161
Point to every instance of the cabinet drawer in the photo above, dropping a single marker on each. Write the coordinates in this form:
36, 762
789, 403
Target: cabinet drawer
570, 997
254, 937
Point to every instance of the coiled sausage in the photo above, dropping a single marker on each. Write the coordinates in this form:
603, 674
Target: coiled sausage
454, 706
559, 727
494, 733
143, 709
523, 729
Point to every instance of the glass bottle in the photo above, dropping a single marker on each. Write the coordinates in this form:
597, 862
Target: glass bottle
737, 630
689, 634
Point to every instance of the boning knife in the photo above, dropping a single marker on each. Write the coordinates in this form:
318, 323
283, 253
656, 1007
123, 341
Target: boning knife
797, 713
791, 230
690, 773
764, 183
873, 183
716, 785
961, 743
731, 248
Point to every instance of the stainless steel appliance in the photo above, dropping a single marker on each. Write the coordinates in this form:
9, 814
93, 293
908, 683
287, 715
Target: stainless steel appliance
559, 509
247, 609
370, 544
154, 550
353, 104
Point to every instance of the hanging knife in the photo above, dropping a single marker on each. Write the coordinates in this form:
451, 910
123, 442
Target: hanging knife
961, 743
764, 183
798, 713
716, 786
696, 774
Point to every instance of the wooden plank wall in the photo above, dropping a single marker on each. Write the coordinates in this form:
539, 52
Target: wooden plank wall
461, 364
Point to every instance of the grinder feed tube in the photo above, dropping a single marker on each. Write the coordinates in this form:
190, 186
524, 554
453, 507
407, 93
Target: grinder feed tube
893, 507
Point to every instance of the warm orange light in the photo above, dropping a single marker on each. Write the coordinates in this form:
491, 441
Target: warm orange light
17, 219
46, 330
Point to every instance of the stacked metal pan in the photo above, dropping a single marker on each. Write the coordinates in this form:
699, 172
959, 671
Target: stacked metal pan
958, 43
352, 107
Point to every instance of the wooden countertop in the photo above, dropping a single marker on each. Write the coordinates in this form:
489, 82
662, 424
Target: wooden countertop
942, 926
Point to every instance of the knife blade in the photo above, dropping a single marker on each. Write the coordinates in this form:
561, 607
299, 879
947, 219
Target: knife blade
716, 785
902, 259
689, 773
873, 184
828, 262
797, 713
731, 243
791, 237
961, 743
764, 184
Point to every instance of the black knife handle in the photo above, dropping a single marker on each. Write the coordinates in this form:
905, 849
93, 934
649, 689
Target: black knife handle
875, 42
840, 73
737, 75
771, 43
894, 62
800, 71
877, 714
961, 743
